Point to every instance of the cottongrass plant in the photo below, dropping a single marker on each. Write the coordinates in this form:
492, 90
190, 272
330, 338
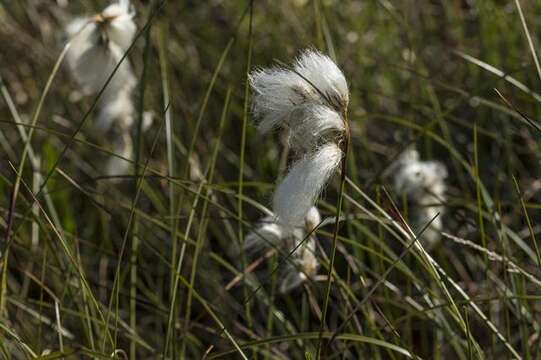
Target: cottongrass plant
308, 100
422, 184
304, 263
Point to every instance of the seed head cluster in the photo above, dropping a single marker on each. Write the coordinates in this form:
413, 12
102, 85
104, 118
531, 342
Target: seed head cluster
309, 101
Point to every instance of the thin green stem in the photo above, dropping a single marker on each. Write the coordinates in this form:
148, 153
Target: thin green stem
335, 237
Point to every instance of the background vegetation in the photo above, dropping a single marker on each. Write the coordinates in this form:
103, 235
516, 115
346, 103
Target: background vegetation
88, 268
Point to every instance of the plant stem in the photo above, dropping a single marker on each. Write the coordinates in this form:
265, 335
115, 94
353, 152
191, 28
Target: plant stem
345, 148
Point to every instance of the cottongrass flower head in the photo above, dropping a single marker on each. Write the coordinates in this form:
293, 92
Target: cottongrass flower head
98, 44
301, 242
422, 183
117, 23
309, 100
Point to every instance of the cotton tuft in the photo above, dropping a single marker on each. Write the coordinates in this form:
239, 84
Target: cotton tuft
299, 190
98, 44
323, 74
267, 233
308, 101
299, 244
422, 183
97, 49
119, 25
279, 92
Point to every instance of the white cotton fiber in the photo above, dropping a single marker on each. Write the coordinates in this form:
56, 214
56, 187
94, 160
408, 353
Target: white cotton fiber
91, 63
277, 92
311, 123
302, 97
423, 184
301, 187
118, 166
325, 75
119, 24
312, 219
266, 234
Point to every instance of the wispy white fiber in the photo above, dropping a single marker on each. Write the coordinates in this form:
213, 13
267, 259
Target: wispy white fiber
98, 44
312, 219
299, 190
266, 234
323, 74
305, 265
311, 123
118, 166
116, 108
423, 184
118, 23
278, 92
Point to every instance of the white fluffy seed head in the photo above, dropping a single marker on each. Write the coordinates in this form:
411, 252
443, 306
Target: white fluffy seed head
419, 180
423, 183
324, 74
281, 95
301, 187
310, 100
117, 23
98, 44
